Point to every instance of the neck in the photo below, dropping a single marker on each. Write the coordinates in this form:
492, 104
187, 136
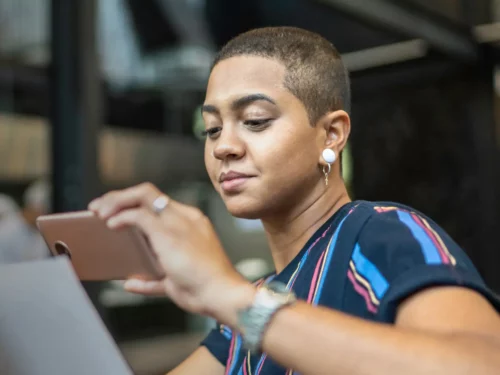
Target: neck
287, 234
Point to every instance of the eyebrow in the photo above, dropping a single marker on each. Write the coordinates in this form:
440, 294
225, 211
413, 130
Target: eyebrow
239, 103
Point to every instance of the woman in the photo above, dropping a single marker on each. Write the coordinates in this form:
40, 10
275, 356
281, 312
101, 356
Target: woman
359, 288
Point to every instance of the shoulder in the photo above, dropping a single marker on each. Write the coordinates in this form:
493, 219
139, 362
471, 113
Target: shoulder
399, 252
395, 230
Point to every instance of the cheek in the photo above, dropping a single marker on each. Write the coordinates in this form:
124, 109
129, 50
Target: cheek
285, 155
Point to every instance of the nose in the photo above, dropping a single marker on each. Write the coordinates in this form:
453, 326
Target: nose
229, 145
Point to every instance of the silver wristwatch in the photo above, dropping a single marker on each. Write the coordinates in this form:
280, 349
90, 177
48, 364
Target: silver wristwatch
253, 321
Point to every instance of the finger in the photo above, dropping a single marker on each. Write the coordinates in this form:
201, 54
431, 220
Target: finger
113, 202
149, 288
142, 218
94, 204
97, 203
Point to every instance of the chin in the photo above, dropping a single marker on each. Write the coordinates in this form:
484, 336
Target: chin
244, 212
243, 208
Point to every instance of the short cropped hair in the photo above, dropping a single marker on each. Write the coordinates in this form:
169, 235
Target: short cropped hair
315, 73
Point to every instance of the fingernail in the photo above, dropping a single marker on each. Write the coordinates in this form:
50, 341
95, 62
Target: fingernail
111, 222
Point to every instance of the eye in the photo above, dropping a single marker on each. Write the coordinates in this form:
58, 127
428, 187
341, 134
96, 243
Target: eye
212, 132
257, 123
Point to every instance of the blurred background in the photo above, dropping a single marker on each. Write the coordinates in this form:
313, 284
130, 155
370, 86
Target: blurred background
104, 94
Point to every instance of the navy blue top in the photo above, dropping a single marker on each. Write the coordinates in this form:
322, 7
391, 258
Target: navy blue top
365, 260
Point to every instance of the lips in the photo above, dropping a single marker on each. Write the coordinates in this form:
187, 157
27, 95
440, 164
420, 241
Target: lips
232, 182
232, 175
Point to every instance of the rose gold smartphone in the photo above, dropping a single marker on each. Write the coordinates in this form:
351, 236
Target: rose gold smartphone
97, 252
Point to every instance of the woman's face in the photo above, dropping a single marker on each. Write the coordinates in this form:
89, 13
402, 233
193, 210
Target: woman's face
261, 152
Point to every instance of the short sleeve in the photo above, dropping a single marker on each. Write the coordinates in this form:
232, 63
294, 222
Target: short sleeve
218, 342
400, 252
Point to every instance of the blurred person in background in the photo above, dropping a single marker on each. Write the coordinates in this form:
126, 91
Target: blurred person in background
19, 238
359, 287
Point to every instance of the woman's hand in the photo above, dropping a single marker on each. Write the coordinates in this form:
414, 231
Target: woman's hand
199, 276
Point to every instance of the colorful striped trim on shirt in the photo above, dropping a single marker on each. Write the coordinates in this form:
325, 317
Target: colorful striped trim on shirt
225, 331
320, 273
381, 209
433, 247
234, 349
319, 276
366, 279
290, 285
246, 368
369, 282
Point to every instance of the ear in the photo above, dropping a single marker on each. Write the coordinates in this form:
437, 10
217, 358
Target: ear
335, 128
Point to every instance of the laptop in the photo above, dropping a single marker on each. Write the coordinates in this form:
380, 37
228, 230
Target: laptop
49, 326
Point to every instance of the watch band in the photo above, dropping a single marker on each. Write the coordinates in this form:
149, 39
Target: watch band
253, 321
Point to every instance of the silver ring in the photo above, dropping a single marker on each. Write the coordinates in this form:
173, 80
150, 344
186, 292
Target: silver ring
160, 203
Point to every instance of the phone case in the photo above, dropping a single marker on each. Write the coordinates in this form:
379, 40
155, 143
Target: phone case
97, 252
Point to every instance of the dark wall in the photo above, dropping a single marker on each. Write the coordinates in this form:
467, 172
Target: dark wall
433, 147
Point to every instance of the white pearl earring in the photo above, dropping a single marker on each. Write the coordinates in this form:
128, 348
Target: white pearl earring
329, 156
